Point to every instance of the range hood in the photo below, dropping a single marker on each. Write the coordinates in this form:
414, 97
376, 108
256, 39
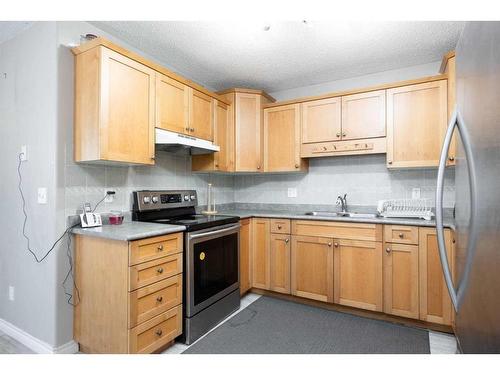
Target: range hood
179, 143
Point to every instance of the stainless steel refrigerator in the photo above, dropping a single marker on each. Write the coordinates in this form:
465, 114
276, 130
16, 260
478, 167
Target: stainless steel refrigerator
476, 290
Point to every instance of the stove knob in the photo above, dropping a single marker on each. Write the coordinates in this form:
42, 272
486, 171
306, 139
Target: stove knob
193, 197
146, 200
154, 199
186, 197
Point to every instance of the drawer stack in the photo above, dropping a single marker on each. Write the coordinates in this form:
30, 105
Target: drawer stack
130, 293
155, 292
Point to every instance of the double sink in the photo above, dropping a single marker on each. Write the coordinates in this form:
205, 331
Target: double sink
341, 214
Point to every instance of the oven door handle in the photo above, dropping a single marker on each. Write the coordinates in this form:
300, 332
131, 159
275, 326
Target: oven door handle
214, 232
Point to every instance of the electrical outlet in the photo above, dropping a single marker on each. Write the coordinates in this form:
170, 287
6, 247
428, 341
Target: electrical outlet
42, 195
24, 153
12, 291
292, 192
415, 193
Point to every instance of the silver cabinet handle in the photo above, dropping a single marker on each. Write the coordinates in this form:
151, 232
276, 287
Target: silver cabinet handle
214, 232
456, 295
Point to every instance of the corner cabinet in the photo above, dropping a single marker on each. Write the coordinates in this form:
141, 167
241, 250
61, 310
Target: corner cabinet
416, 124
282, 139
114, 108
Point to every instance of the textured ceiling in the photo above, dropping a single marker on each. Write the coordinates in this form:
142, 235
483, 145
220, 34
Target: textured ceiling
290, 54
9, 29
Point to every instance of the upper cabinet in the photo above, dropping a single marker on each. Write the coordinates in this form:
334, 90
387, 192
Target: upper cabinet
416, 124
321, 120
120, 98
363, 115
172, 104
114, 108
282, 139
448, 68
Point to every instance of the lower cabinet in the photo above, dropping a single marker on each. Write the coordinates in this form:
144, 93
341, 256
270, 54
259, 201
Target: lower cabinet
312, 267
261, 232
435, 302
245, 253
358, 274
280, 263
401, 280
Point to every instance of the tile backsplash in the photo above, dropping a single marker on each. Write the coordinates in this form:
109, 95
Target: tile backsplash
364, 178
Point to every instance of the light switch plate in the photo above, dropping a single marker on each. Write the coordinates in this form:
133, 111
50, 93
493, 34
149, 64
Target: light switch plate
42, 195
415, 193
292, 192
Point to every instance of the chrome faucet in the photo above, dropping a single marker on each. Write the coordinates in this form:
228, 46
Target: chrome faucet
342, 202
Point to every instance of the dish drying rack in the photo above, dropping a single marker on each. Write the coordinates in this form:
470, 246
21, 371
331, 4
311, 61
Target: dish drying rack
406, 208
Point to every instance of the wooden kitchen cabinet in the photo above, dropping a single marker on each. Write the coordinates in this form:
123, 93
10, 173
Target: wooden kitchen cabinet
114, 108
416, 124
261, 261
435, 303
358, 274
312, 268
282, 139
280, 263
247, 116
321, 120
201, 115
222, 161
172, 104
401, 280
245, 255
363, 115
448, 67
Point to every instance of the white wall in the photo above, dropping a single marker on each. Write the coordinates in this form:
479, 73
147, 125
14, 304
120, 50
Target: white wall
28, 99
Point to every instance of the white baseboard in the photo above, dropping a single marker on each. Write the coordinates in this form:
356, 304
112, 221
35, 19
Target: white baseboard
37, 345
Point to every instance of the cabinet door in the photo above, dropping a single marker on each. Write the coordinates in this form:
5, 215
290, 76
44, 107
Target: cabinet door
127, 109
452, 94
416, 124
261, 243
321, 120
363, 115
245, 246
282, 138
401, 280
312, 268
358, 274
248, 133
172, 104
224, 137
280, 263
201, 115
435, 303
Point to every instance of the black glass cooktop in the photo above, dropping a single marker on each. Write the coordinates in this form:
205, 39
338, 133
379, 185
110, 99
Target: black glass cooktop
198, 222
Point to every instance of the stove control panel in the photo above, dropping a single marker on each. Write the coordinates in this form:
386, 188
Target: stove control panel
146, 200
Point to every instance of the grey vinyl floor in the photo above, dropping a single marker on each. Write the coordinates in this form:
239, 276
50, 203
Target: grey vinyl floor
440, 343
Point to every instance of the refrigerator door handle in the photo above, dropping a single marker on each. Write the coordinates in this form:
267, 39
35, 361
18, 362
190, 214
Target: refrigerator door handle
456, 295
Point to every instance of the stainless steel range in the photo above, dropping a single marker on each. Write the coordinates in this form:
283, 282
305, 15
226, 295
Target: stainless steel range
211, 256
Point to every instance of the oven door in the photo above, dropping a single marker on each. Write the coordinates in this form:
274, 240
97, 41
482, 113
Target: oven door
212, 266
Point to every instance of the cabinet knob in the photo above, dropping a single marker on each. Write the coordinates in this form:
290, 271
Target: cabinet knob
153, 158
258, 167
451, 158
343, 134
336, 244
159, 332
287, 240
160, 248
159, 270
338, 135
187, 128
159, 298
329, 244
401, 235
216, 165
279, 226
388, 250
192, 129
389, 161
324, 148
296, 165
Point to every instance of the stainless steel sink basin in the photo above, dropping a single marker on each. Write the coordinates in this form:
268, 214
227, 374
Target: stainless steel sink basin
342, 214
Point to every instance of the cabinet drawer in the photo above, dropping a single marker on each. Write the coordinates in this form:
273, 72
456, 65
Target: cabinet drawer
154, 299
401, 234
337, 230
157, 332
156, 270
281, 226
154, 248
